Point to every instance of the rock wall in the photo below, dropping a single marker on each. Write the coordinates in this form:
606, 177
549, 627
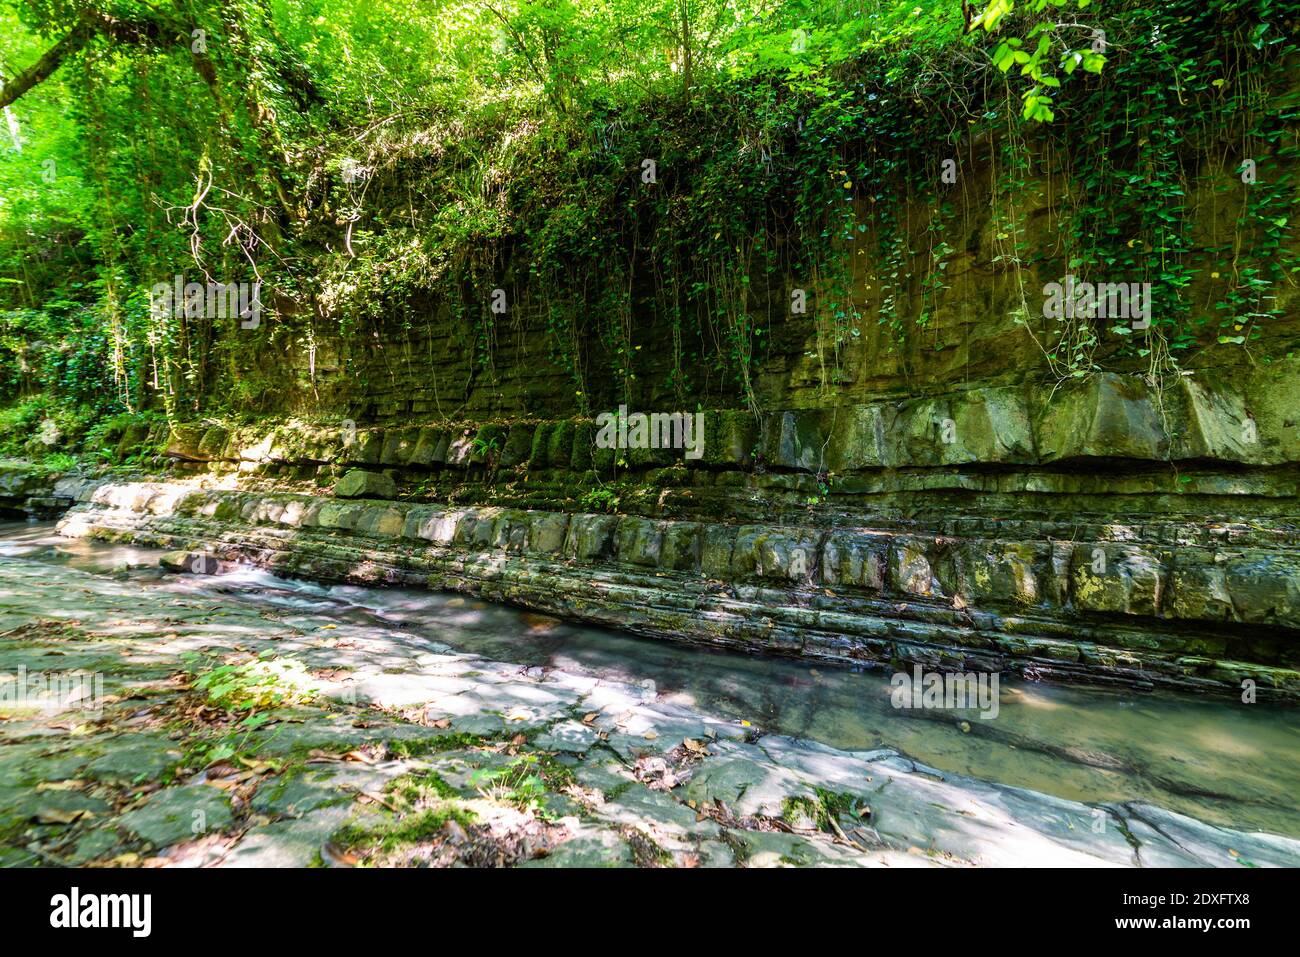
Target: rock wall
950, 297
916, 487
1153, 614
1105, 531
37, 493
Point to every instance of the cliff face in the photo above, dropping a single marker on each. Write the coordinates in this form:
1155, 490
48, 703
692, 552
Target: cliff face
951, 291
912, 454
1103, 530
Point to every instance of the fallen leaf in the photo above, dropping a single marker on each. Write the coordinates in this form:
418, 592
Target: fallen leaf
56, 816
335, 856
455, 833
319, 754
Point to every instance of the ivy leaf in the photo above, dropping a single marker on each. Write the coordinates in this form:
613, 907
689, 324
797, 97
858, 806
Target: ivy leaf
993, 14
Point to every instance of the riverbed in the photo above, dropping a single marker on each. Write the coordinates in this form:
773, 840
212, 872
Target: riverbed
1215, 760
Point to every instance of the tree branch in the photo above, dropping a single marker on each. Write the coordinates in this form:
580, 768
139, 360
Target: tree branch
88, 26
71, 43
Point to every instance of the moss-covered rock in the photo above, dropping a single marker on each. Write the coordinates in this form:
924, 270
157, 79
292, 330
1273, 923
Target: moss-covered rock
359, 483
559, 445
518, 446
797, 440
584, 445
1107, 416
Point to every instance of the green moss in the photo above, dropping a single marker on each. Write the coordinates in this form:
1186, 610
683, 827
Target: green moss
559, 448
584, 443
823, 808
403, 831
420, 787
539, 457
433, 745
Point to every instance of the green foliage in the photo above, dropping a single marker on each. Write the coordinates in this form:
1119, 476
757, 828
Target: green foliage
1049, 50
603, 499
372, 163
387, 835
518, 783
265, 682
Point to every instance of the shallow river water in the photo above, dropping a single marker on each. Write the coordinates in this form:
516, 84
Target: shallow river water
1214, 759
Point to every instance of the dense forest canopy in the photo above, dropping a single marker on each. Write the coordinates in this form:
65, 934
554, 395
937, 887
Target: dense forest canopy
361, 160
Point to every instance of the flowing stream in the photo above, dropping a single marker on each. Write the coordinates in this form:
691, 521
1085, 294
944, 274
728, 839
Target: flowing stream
1214, 759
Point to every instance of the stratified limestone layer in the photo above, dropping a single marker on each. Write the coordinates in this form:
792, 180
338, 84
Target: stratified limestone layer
35, 492
1248, 421
1152, 604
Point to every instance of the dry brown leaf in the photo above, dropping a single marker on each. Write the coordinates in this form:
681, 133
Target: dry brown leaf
56, 816
335, 856
455, 833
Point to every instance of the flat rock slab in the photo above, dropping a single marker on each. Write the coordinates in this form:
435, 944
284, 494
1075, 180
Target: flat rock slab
777, 849
633, 778
571, 736
656, 812
289, 843
590, 847
296, 795
134, 758
358, 483
177, 814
